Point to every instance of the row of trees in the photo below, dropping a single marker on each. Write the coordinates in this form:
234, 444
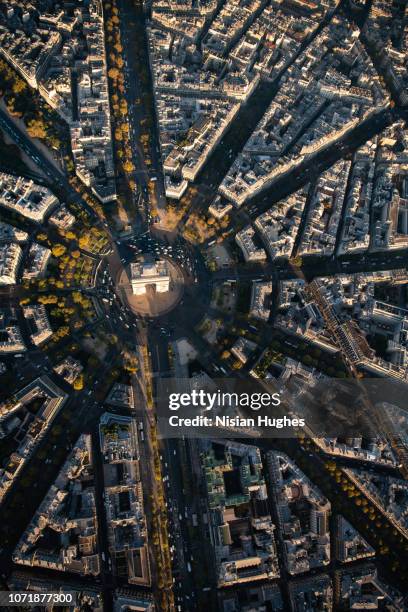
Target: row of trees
160, 524
117, 81
349, 500
380, 526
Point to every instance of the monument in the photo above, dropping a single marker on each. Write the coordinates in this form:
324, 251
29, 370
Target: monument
150, 273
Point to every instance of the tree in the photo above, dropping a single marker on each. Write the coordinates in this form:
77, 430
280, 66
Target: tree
19, 86
62, 331
128, 166
58, 250
130, 365
47, 299
77, 297
124, 109
113, 73
297, 261
79, 383
36, 128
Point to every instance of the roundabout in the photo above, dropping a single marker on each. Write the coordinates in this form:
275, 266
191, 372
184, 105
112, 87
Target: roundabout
182, 304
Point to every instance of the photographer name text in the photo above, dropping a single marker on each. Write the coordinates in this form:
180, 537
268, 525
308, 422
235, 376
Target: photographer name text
235, 421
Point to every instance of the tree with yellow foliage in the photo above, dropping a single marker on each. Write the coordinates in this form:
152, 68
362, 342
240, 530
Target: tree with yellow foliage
48, 299
58, 250
36, 128
113, 73
128, 166
79, 383
19, 86
83, 242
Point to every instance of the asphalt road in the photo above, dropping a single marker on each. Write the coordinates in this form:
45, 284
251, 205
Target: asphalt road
134, 41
